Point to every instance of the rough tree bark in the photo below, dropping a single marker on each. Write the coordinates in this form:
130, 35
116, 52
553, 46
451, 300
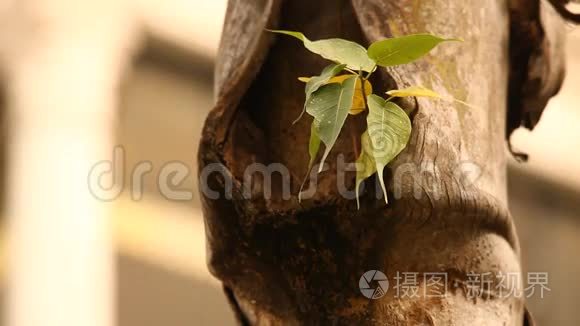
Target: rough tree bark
285, 262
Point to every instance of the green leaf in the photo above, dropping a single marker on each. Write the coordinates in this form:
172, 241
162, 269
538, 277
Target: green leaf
315, 83
389, 130
338, 50
359, 102
330, 106
297, 35
413, 91
365, 164
402, 50
313, 147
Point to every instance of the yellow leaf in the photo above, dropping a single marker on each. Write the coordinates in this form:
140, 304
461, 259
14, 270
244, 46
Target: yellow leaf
413, 91
358, 103
424, 92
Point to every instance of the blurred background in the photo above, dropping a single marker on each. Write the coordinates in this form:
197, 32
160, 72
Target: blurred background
161, 104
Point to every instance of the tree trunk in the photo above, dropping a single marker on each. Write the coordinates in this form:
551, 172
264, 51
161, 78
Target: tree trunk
286, 262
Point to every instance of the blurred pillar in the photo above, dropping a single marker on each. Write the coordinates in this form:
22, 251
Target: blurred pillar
62, 60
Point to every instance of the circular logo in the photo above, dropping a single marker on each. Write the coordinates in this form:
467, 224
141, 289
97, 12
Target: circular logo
373, 284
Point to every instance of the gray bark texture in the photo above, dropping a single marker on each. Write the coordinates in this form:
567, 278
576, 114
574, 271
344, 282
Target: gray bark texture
291, 263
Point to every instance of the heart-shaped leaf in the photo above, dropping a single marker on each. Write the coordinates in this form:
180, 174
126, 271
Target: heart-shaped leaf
330, 106
338, 50
314, 83
389, 129
405, 49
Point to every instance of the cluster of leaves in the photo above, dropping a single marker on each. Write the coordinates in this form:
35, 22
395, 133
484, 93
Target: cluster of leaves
344, 88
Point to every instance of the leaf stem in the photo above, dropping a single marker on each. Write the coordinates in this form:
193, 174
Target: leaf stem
352, 71
371, 72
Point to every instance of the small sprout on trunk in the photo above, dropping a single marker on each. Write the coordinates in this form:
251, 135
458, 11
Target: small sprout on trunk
332, 96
